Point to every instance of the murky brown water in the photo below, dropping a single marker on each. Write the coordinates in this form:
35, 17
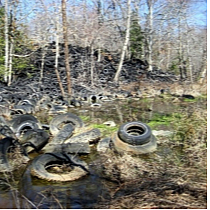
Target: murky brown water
83, 193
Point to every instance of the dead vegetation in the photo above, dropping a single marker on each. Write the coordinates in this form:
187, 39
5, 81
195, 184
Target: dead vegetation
175, 176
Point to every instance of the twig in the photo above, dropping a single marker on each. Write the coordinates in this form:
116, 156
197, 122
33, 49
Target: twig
30, 202
57, 201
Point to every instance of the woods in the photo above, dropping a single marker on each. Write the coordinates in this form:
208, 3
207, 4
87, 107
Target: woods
164, 34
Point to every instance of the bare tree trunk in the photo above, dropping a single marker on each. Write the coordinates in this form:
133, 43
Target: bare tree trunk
10, 62
168, 51
150, 43
42, 63
56, 60
99, 55
65, 38
189, 60
127, 37
92, 66
180, 50
6, 41
203, 69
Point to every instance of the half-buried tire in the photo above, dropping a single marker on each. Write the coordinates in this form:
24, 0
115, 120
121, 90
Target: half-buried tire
121, 146
41, 163
62, 119
134, 137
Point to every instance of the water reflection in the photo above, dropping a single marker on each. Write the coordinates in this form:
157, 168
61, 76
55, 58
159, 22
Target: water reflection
85, 193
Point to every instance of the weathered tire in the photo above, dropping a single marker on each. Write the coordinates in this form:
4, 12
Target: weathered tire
135, 133
24, 122
23, 109
34, 139
134, 149
39, 164
90, 136
63, 134
25, 126
64, 119
5, 145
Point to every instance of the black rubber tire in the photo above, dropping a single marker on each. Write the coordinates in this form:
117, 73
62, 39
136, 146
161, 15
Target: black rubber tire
34, 140
39, 164
135, 133
17, 120
19, 123
65, 119
25, 126
63, 134
90, 136
5, 145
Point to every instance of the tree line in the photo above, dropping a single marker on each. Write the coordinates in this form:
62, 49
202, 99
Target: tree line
164, 33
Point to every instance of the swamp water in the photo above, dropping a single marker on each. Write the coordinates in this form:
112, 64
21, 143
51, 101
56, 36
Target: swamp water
26, 191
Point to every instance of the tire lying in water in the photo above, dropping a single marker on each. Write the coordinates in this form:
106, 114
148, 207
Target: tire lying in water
134, 137
6, 145
62, 119
41, 163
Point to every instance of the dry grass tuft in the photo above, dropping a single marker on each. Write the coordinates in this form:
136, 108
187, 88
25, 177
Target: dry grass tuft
175, 176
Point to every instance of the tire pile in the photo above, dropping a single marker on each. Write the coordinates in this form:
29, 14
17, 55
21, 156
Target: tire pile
28, 95
81, 62
70, 138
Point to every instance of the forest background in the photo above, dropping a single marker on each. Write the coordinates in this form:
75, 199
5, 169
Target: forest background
170, 35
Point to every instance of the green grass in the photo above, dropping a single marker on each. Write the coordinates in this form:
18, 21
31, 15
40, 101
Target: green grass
159, 119
105, 130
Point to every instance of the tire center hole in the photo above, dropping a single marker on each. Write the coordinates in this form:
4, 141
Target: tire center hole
135, 131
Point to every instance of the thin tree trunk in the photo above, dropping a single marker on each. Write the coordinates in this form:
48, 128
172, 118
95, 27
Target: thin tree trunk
190, 61
168, 51
6, 41
180, 50
203, 69
92, 66
99, 55
10, 61
127, 37
149, 3
56, 60
65, 38
42, 64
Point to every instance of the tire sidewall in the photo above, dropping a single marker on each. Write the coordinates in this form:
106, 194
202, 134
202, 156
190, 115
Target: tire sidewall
133, 139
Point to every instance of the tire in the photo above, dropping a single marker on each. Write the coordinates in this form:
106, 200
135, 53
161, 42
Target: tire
121, 146
17, 120
39, 165
25, 126
34, 140
63, 134
6, 131
24, 109
90, 136
135, 133
56, 123
24, 122
5, 145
